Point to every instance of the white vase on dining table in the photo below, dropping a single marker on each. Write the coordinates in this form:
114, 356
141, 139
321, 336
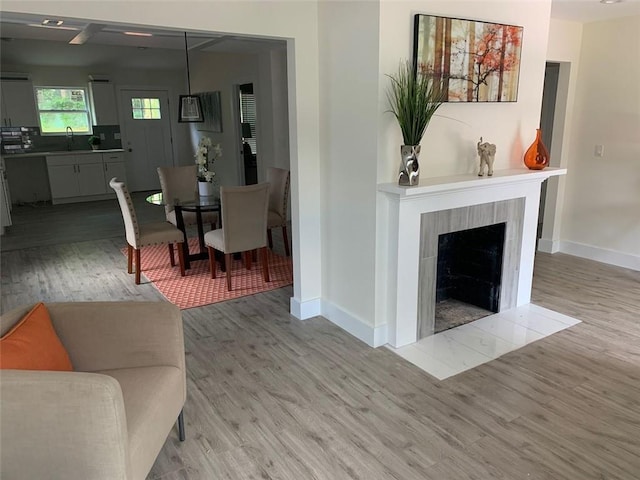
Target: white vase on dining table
205, 189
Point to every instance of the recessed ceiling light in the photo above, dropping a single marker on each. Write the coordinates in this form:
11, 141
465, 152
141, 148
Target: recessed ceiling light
52, 26
139, 34
609, 2
52, 23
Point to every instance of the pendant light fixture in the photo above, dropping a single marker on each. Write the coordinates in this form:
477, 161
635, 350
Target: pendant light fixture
190, 107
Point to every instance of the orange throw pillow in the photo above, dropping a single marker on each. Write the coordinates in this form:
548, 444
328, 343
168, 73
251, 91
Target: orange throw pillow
32, 344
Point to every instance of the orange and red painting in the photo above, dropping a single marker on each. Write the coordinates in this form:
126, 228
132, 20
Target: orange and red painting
475, 61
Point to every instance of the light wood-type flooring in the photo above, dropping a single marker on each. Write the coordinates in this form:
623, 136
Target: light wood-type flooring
271, 397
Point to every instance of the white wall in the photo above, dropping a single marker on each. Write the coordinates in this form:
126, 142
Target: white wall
348, 143
600, 219
448, 146
279, 108
222, 72
294, 21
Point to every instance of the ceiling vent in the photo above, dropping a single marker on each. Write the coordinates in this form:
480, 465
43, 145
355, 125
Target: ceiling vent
15, 76
99, 78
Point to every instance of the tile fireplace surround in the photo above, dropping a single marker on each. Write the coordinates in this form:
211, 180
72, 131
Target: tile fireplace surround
415, 216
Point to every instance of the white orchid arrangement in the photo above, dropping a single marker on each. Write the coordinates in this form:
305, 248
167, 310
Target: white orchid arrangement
206, 154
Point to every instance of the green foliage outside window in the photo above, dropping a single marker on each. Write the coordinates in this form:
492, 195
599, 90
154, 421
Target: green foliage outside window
62, 107
145, 108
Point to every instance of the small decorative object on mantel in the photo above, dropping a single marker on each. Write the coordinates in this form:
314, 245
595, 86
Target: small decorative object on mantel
94, 141
537, 156
413, 99
206, 154
487, 153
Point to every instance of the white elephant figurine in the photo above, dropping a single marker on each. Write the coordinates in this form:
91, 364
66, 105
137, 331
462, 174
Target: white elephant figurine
487, 152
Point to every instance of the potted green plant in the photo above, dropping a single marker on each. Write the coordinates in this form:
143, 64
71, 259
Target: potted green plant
414, 98
94, 141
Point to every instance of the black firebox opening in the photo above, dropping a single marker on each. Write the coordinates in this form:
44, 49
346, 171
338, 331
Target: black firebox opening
470, 266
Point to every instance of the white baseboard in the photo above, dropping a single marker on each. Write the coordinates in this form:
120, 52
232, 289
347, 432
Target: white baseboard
548, 246
603, 255
305, 310
372, 336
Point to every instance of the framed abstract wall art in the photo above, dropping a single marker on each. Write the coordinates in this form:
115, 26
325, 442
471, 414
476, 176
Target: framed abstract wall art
211, 111
476, 61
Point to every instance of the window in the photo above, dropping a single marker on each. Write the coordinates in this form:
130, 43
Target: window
62, 107
145, 108
248, 113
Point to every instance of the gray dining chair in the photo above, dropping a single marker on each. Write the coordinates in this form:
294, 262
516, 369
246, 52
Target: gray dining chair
138, 236
182, 183
244, 227
278, 179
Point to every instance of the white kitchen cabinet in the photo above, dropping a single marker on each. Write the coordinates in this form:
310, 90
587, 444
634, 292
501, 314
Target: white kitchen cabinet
105, 110
63, 180
18, 104
72, 176
114, 166
91, 178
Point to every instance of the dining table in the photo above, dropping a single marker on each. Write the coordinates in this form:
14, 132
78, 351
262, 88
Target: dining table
198, 204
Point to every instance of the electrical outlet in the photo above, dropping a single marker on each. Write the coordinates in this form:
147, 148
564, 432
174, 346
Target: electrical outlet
116, 136
598, 151
103, 136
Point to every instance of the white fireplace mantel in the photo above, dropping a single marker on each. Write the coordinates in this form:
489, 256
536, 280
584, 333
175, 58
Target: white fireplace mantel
404, 207
453, 183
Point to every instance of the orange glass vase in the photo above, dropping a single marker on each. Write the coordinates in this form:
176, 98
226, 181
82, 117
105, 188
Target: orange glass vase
537, 155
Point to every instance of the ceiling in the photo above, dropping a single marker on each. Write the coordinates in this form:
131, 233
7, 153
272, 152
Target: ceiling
77, 43
26, 41
586, 11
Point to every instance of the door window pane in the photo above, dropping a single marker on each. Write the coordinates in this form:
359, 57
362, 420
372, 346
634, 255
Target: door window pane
145, 108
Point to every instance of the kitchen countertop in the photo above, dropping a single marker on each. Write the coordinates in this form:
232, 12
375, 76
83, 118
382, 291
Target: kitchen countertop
59, 152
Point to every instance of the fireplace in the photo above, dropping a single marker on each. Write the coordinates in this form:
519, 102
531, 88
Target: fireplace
415, 217
468, 275
459, 228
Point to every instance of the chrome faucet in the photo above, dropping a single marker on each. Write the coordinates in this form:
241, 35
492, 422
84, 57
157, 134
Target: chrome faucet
69, 138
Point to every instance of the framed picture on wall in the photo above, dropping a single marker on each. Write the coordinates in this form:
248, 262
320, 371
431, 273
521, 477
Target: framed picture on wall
211, 111
476, 61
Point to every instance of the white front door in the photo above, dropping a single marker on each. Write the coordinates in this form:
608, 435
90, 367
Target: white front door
147, 132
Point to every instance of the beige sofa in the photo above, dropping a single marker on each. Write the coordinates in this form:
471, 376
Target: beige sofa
110, 417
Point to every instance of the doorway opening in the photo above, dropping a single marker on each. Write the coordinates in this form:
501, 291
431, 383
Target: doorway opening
549, 94
553, 118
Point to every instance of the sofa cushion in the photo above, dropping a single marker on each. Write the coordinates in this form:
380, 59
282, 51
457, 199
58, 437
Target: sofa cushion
32, 344
153, 398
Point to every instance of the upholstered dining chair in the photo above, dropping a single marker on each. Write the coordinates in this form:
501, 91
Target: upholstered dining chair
182, 182
278, 179
139, 236
244, 227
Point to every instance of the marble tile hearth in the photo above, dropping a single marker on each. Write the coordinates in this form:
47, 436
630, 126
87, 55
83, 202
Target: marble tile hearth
454, 351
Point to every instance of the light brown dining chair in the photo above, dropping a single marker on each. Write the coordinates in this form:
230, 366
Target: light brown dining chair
139, 236
278, 179
244, 227
182, 183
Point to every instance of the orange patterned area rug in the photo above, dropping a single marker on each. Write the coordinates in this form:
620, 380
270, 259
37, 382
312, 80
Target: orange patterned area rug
197, 288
